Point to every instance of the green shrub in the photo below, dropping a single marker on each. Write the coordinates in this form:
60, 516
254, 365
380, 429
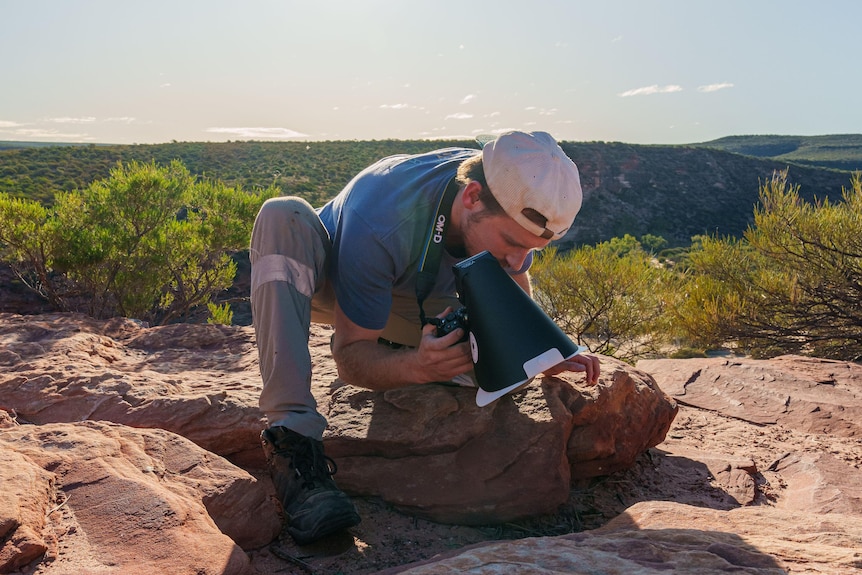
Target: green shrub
220, 314
149, 242
792, 285
687, 353
611, 297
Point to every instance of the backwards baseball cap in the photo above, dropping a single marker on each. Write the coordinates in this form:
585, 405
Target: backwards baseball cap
529, 171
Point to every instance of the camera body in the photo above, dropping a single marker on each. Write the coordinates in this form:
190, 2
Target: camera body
452, 321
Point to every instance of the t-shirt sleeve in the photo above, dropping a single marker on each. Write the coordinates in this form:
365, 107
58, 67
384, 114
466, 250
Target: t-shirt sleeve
362, 273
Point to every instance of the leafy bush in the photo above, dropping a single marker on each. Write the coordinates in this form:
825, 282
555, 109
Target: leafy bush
611, 297
711, 300
652, 243
792, 285
220, 314
148, 242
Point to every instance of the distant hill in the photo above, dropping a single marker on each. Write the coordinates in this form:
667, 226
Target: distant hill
842, 151
314, 170
679, 191
672, 191
12, 145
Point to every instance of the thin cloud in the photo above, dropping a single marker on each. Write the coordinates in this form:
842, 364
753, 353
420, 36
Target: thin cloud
468, 98
122, 120
69, 120
253, 133
9, 124
714, 87
654, 89
498, 131
447, 136
52, 134
458, 116
541, 111
394, 106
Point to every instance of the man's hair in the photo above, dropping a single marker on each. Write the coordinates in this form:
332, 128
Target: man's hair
472, 169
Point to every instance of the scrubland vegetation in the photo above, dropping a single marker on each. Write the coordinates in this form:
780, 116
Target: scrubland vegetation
148, 242
153, 242
792, 284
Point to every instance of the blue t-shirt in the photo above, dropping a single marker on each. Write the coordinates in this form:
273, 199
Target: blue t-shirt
379, 225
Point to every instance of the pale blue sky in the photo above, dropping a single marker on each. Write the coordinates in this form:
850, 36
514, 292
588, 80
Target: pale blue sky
647, 72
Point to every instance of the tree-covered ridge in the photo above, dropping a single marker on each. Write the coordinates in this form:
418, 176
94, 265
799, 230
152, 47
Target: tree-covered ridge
841, 151
314, 170
671, 191
678, 192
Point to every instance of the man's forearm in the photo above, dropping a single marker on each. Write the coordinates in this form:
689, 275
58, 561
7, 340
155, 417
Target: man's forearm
374, 366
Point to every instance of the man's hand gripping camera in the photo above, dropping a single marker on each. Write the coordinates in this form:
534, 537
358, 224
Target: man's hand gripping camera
452, 321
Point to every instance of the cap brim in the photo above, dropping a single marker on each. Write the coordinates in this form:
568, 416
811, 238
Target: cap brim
484, 398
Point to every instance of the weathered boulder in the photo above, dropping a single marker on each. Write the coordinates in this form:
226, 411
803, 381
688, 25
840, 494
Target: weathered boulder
26, 491
654, 538
431, 451
819, 483
127, 501
735, 476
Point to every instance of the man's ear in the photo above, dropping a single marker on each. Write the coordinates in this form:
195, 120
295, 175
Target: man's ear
470, 197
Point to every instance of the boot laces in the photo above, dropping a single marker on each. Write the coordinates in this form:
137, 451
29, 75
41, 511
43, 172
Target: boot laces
309, 462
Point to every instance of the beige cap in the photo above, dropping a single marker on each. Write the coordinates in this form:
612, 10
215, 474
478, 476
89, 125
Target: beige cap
530, 170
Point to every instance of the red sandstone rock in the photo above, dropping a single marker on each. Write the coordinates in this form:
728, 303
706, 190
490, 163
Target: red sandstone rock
810, 394
26, 496
652, 538
766, 453
127, 501
512, 459
515, 458
199, 381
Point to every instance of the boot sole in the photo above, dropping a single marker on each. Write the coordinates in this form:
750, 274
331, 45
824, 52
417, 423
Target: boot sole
327, 526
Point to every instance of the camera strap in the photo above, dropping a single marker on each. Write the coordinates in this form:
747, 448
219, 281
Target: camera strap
432, 254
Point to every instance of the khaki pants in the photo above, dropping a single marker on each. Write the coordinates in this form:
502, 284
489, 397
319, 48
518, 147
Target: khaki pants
289, 289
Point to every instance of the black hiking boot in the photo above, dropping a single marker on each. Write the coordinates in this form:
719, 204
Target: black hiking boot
313, 505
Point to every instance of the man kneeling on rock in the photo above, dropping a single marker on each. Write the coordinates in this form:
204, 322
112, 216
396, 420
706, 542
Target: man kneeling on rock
354, 263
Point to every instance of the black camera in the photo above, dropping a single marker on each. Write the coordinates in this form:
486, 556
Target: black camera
451, 322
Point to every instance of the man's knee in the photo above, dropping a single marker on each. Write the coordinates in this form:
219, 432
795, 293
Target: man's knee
286, 223
289, 244
278, 212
